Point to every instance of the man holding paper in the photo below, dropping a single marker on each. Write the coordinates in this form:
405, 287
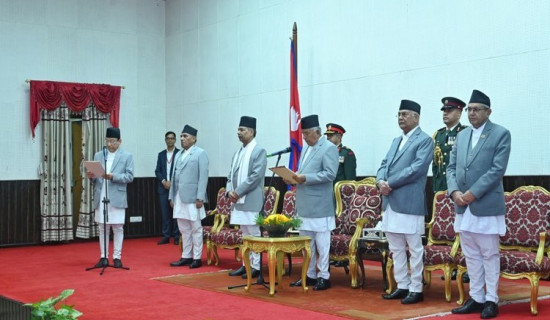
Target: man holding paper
245, 185
119, 172
315, 199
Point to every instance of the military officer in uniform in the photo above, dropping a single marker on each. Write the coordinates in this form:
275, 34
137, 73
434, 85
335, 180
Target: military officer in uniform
444, 140
347, 164
346, 157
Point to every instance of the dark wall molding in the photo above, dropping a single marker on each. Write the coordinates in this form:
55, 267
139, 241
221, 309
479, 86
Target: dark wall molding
20, 205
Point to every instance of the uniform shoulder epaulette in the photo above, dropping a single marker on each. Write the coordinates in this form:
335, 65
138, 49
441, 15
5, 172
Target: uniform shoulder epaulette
438, 130
460, 127
350, 153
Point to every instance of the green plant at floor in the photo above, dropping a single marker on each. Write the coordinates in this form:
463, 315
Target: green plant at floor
45, 309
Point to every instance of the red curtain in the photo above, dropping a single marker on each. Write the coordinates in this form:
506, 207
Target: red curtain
48, 95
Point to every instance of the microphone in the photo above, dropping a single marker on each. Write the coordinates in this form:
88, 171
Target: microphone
105, 153
277, 153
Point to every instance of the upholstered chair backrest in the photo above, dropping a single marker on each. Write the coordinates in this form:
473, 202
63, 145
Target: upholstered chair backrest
527, 215
442, 224
289, 204
356, 200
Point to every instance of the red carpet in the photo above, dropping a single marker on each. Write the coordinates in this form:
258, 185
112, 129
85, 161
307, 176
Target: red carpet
29, 274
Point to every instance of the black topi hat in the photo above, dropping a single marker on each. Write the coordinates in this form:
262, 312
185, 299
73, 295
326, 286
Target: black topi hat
409, 105
190, 130
452, 103
113, 133
311, 121
480, 97
248, 122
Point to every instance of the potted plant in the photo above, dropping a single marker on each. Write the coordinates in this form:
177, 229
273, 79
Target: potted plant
277, 224
45, 309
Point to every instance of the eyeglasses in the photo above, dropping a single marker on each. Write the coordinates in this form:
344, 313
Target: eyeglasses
475, 109
403, 114
111, 141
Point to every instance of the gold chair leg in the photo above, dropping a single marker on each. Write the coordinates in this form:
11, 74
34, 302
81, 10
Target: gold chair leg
447, 272
428, 278
215, 252
459, 274
208, 251
534, 279
389, 275
353, 271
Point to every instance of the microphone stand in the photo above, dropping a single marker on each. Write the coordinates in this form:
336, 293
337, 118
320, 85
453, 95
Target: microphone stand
106, 230
260, 280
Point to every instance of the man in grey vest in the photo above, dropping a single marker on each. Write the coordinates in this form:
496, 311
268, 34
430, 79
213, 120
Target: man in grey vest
315, 200
401, 180
474, 176
245, 187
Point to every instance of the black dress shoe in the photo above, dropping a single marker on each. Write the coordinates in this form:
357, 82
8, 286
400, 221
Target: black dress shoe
490, 310
101, 263
238, 272
255, 273
163, 241
117, 263
413, 297
470, 306
309, 282
181, 262
195, 264
322, 284
397, 294
176, 241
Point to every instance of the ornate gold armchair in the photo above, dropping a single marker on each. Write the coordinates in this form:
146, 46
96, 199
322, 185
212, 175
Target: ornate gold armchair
525, 248
231, 237
443, 244
358, 206
223, 208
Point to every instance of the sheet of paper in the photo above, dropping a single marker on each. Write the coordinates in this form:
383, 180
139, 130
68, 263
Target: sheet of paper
284, 173
95, 168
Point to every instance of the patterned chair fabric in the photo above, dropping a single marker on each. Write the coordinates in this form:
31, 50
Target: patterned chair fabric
525, 248
231, 237
443, 244
358, 206
223, 208
289, 204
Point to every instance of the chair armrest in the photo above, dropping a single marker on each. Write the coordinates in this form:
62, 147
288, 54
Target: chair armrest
359, 223
540, 250
211, 212
456, 245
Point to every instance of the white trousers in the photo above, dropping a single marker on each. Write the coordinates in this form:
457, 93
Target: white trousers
118, 238
252, 230
398, 243
191, 237
320, 245
483, 262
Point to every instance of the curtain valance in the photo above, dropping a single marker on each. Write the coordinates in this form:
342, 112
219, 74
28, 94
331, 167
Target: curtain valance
48, 95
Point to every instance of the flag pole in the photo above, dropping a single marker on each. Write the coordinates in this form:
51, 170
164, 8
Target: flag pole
295, 42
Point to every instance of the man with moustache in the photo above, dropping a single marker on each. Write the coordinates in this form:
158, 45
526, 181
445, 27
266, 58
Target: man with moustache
315, 200
245, 188
401, 180
474, 176
187, 196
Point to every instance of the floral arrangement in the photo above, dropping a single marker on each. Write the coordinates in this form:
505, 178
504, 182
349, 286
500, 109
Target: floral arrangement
277, 224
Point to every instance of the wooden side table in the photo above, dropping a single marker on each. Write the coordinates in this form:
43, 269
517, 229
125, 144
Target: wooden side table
275, 248
381, 244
